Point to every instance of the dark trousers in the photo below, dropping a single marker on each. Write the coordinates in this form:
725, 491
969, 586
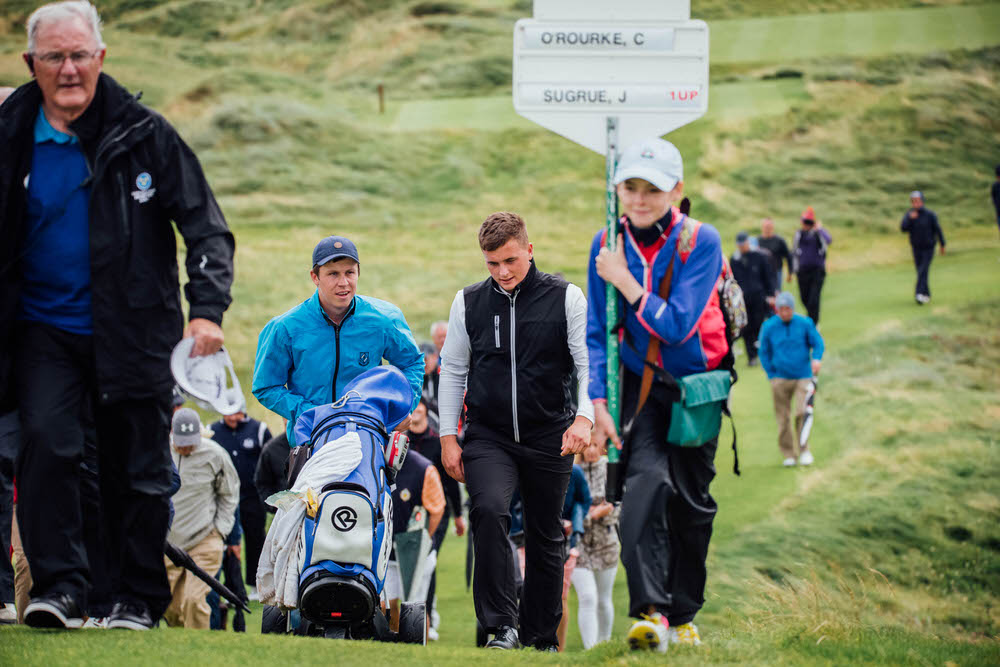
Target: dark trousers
757, 312
436, 541
56, 383
667, 512
252, 515
9, 440
810, 286
922, 258
493, 470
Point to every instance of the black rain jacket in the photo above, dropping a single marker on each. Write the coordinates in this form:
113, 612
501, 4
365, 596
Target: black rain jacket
133, 252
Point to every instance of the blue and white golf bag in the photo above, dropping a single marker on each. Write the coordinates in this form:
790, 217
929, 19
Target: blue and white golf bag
347, 534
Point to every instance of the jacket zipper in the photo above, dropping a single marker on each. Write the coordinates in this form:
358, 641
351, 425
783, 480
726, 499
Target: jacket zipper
513, 368
496, 331
336, 363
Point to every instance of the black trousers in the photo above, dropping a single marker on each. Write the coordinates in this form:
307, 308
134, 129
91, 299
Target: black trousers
757, 312
493, 469
922, 258
56, 383
9, 445
437, 539
252, 516
810, 286
667, 512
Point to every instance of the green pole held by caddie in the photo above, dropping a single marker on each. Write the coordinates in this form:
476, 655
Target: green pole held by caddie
613, 486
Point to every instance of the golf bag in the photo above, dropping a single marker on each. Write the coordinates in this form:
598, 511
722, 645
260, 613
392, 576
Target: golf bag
347, 530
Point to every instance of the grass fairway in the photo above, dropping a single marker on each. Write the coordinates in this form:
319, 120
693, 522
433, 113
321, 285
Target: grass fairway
790, 39
887, 551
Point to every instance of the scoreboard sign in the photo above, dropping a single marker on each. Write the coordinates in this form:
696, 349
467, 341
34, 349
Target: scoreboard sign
649, 72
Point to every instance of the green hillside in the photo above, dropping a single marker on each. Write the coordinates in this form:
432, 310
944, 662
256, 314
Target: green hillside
887, 551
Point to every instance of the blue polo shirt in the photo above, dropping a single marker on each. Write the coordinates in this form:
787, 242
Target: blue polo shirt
56, 262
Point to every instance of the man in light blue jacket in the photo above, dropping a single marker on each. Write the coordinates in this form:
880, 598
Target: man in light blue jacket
306, 356
790, 352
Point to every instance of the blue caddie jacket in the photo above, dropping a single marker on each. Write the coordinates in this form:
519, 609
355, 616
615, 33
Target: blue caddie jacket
304, 360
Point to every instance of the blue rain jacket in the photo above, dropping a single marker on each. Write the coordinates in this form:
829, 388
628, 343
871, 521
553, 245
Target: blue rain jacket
302, 355
787, 350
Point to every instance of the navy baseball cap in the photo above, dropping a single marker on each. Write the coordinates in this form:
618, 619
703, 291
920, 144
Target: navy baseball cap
334, 247
742, 237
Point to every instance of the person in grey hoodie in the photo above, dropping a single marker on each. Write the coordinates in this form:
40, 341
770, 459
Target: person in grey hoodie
204, 512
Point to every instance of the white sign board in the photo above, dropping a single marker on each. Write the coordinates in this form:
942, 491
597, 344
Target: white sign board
571, 75
620, 10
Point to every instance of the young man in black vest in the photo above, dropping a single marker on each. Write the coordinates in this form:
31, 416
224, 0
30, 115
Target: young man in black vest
516, 338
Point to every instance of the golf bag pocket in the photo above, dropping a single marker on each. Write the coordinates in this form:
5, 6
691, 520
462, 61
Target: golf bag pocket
345, 529
697, 417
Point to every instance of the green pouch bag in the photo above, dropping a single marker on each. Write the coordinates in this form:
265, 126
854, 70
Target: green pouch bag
697, 417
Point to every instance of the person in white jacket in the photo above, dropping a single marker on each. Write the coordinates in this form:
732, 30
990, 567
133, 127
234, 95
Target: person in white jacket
204, 513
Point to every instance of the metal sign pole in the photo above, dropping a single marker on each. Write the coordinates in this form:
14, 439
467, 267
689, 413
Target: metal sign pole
611, 304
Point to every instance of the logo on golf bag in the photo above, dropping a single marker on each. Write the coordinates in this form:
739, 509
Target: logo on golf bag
363, 358
344, 519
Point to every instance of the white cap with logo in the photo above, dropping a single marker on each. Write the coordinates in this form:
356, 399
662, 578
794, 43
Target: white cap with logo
654, 160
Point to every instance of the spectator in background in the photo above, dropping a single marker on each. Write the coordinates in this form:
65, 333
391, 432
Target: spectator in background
809, 251
272, 469
597, 564
204, 513
752, 270
90, 306
432, 375
418, 484
425, 440
439, 331
9, 443
995, 194
791, 351
922, 225
244, 437
575, 509
777, 248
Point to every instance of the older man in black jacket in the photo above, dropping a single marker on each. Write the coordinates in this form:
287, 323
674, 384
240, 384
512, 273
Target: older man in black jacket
89, 307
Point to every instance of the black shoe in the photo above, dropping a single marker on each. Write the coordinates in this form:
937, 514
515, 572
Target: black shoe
130, 616
58, 610
505, 638
546, 647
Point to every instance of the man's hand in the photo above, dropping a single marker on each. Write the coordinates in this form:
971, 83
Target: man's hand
235, 550
459, 525
207, 334
576, 438
942, 250
913, 214
770, 301
451, 457
816, 363
403, 425
604, 426
790, 276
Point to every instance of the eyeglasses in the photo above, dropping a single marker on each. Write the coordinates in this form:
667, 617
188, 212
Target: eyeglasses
56, 59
